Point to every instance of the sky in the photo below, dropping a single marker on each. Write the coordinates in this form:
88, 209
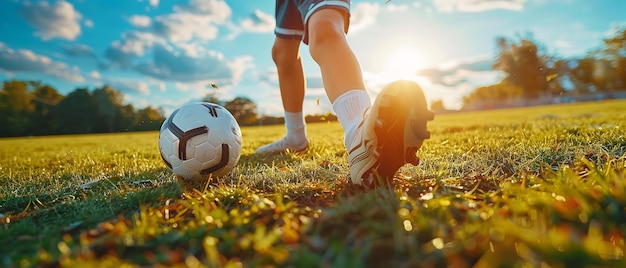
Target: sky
166, 53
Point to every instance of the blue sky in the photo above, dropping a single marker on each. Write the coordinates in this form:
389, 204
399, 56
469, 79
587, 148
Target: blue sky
165, 53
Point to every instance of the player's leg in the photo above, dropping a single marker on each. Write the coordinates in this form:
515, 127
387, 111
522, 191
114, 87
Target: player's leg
291, 83
341, 73
285, 53
381, 139
328, 46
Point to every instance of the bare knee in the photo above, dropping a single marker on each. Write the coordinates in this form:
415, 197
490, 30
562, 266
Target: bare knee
285, 52
324, 31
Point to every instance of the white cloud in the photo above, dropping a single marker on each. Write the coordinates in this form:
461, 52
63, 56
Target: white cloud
259, 22
182, 86
363, 15
137, 102
63, 72
167, 105
132, 45
267, 78
452, 81
23, 60
454, 73
561, 44
182, 27
161, 86
191, 50
217, 10
95, 75
452, 97
129, 86
167, 48
398, 8
88, 23
154, 3
195, 91
477, 5
189, 23
59, 19
238, 66
616, 27
477, 63
139, 21
316, 101
177, 65
476, 78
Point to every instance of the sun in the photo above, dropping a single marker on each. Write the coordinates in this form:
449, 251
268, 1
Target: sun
403, 63
404, 60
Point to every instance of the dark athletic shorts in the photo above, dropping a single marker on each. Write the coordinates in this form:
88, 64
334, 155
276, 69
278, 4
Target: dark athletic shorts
292, 16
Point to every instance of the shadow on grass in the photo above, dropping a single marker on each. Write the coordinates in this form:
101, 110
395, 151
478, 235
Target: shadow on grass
40, 221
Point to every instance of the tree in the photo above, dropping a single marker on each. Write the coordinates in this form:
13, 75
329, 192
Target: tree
44, 99
243, 109
76, 113
524, 65
581, 74
602, 69
437, 106
108, 103
212, 98
614, 56
148, 119
126, 119
34, 108
499, 95
15, 107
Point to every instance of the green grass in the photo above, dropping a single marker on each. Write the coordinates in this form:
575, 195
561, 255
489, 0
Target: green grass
509, 188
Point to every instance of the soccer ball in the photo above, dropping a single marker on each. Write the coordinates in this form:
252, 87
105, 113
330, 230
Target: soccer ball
199, 141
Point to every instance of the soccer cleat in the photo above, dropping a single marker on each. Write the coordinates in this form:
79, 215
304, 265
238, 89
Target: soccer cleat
280, 146
391, 132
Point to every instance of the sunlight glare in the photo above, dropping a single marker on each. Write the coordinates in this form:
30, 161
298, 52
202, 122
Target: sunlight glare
404, 60
404, 63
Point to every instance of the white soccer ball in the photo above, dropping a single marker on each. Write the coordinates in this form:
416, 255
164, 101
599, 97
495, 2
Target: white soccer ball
199, 141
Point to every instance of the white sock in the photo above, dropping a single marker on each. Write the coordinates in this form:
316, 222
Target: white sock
296, 128
349, 108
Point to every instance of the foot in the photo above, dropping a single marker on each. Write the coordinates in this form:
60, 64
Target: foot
282, 145
390, 134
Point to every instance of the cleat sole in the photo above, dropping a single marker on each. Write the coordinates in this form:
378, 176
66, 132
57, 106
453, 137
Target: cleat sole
403, 111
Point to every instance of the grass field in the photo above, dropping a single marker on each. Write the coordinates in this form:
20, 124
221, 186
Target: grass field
528, 187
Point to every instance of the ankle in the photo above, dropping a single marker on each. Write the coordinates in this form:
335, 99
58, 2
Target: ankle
350, 108
296, 128
296, 136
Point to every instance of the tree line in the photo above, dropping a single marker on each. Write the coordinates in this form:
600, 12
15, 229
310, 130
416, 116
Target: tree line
245, 112
33, 108
30, 108
533, 76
